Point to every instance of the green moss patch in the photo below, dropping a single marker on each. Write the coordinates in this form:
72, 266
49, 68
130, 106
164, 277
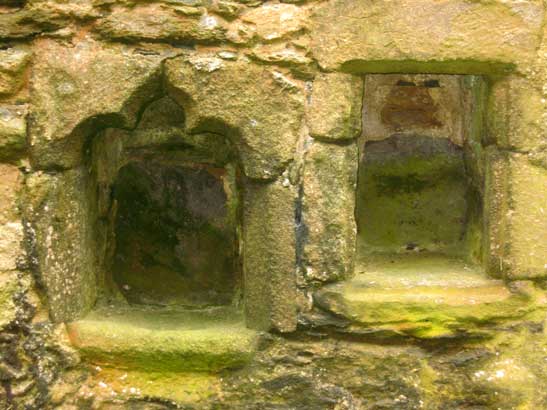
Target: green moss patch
8, 289
423, 295
411, 193
165, 340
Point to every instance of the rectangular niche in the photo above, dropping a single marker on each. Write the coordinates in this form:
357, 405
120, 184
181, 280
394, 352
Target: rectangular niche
420, 177
168, 214
174, 235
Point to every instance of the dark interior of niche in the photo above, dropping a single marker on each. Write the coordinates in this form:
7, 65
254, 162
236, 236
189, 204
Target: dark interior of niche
168, 213
175, 240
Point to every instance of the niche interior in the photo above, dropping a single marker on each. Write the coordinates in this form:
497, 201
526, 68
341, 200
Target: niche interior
420, 181
167, 214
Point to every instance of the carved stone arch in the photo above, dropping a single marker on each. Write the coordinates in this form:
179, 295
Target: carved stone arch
104, 98
82, 88
264, 116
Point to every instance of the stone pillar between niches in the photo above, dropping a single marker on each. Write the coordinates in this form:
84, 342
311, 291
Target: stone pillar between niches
516, 200
60, 228
328, 229
268, 255
328, 211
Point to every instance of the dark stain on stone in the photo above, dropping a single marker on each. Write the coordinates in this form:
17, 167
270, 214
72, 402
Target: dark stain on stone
408, 106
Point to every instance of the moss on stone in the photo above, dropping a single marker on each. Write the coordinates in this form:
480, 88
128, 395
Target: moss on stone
327, 229
13, 132
411, 199
425, 296
334, 111
8, 290
186, 389
13, 64
164, 340
269, 257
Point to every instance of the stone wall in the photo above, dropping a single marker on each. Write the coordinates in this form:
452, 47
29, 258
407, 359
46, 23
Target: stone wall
271, 92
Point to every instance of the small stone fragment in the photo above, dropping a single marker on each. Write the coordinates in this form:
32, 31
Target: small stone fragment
13, 62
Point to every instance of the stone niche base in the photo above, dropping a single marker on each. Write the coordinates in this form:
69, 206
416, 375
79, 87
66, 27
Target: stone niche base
425, 296
171, 340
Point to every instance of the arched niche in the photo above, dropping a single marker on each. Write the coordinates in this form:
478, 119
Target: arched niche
221, 135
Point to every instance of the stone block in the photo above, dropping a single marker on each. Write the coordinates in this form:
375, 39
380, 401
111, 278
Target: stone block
60, 229
165, 340
77, 90
248, 103
452, 36
515, 215
13, 131
516, 109
13, 62
8, 289
424, 296
495, 210
11, 230
154, 22
272, 22
527, 218
28, 22
334, 112
11, 237
269, 264
328, 229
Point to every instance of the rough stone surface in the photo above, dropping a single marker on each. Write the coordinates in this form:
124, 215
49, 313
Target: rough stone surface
234, 88
514, 216
174, 235
450, 35
515, 114
13, 62
269, 264
11, 229
26, 23
13, 131
526, 218
8, 289
61, 240
171, 340
244, 102
119, 80
328, 231
425, 105
166, 22
495, 211
412, 194
315, 374
334, 112
427, 296
284, 55
276, 21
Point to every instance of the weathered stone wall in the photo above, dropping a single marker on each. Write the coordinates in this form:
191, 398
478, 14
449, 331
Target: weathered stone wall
281, 84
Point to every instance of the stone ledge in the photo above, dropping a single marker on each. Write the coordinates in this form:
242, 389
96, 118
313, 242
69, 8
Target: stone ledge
168, 339
424, 296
